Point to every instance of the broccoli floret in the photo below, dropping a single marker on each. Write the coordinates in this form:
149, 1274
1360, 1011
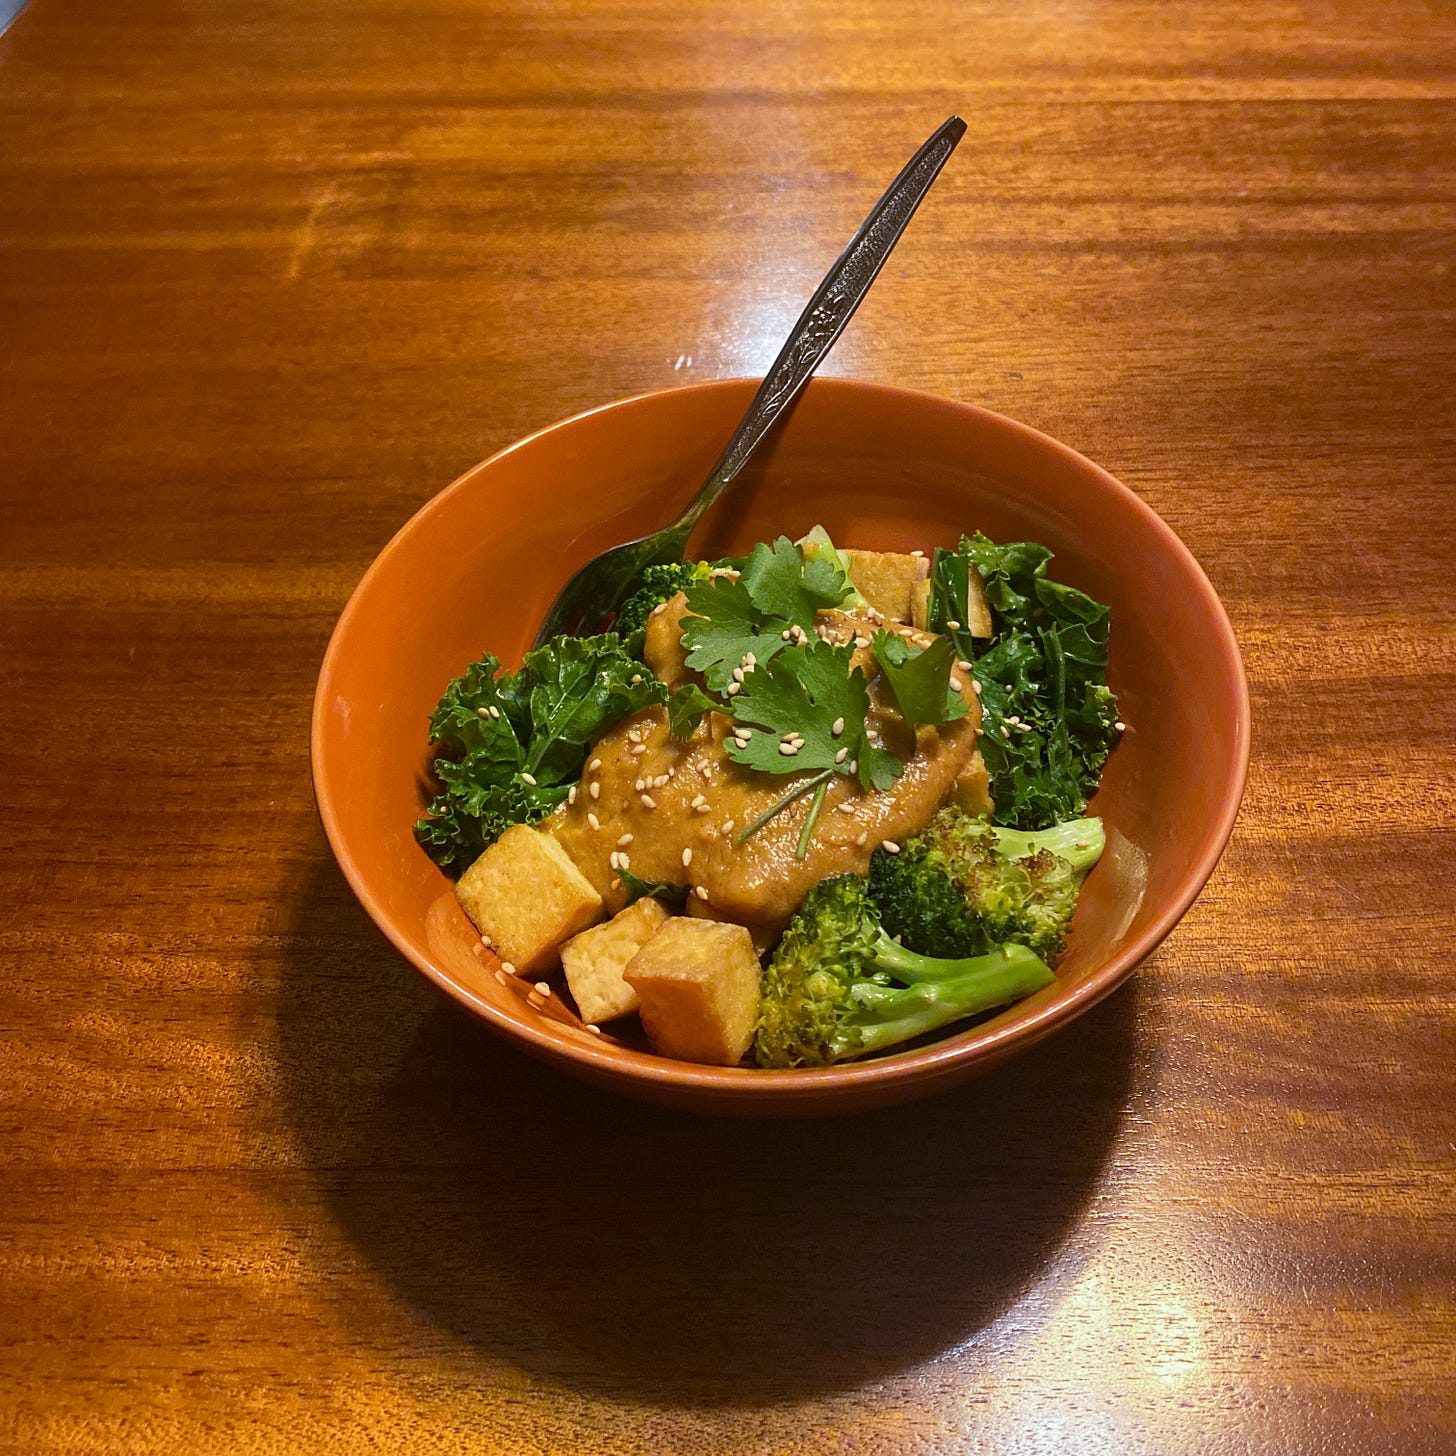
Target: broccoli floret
657, 583
839, 987
963, 885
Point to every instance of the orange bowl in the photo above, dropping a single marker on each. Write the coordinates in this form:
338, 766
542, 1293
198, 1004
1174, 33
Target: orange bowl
477, 567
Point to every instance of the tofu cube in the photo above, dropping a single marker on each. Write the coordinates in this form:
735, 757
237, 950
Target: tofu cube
526, 897
595, 959
698, 980
885, 578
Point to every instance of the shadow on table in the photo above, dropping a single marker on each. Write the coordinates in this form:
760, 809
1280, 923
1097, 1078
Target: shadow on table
676, 1259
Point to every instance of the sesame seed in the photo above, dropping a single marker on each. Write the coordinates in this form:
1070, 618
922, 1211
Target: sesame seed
648, 802
1005, 731
863, 838
658, 609
508, 968
504, 979
595, 1030
953, 626
494, 711
594, 765
529, 779
1119, 725
596, 790
750, 660
917, 553
543, 988
482, 712
788, 749
964, 665
841, 755
976, 687
732, 688
612, 859
661, 781
571, 794
617, 883
698, 800
890, 847
635, 678
861, 641
854, 766
702, 808
700, 892
787, 634
738, 674
638, 785
637, 750
593, 821
624, 841
838, 727
687, 858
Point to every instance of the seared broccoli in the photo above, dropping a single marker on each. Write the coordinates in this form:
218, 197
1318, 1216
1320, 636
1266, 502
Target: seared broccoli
656, 584
839, 987
963, 885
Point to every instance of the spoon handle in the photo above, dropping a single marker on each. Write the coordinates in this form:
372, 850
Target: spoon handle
827, 312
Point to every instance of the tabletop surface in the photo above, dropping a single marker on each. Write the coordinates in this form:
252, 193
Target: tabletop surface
271, 274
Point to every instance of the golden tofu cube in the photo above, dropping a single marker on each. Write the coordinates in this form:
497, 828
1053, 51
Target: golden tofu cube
698, 980
526, 897
764, 937
595, 959
885, 578
920, 604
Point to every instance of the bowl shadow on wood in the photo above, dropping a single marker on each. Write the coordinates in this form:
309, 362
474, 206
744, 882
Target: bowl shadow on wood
630, 1251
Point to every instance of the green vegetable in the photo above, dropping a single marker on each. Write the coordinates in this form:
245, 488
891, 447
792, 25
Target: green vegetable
817, 544
1048, 717
685, 709
734, 619
657, 584
920, 679
838, 987
516, 741
963, 885
639, 889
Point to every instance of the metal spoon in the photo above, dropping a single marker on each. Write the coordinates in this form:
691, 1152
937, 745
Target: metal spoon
588, 601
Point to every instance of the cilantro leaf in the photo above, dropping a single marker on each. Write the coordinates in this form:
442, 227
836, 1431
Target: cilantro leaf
920, 679
809, 691
784, 584
639, 889
776, 589
685, 709
724, 627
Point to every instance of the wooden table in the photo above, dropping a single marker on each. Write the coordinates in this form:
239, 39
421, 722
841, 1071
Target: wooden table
273, 273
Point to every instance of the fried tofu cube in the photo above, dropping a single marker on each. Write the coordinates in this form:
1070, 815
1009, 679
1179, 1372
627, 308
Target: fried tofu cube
526, 897
920, 604
885, 578
764, 937
698, 980
595, 959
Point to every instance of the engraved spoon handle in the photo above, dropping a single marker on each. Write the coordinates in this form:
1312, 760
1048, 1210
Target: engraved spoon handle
827, 312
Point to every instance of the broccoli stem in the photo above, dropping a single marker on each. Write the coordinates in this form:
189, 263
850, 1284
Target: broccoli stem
884, 1016
1079, 841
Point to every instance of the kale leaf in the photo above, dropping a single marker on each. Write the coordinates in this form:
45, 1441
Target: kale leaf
514, 742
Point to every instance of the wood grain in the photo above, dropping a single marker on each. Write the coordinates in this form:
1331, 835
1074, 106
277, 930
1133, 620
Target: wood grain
272, 274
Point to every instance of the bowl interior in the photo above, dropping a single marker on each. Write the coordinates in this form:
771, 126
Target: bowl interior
477, 567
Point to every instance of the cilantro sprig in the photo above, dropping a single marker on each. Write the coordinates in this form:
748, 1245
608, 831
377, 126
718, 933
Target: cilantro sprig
920, 679
751, 617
